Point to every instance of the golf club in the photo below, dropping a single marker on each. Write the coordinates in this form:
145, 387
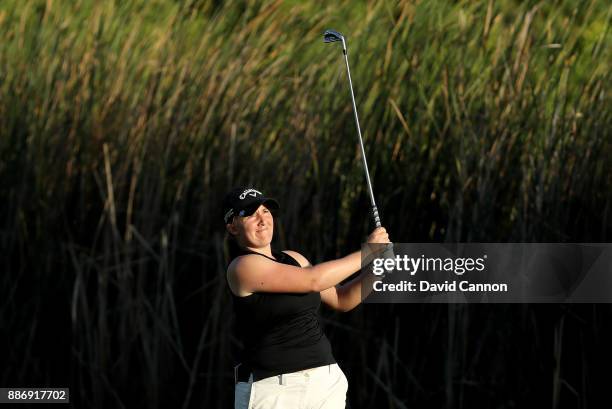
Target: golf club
331, 36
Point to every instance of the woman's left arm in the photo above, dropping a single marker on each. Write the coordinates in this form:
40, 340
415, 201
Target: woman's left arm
342, 297
346, 297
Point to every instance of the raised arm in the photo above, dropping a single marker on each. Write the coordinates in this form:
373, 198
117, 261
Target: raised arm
349, 295
346, 297
253, 273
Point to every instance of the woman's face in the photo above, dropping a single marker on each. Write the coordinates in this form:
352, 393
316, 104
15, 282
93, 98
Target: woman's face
255, 230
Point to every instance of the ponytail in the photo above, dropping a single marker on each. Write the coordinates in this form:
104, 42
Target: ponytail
233, 249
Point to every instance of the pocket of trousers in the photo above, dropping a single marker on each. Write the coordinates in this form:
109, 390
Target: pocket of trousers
343, 377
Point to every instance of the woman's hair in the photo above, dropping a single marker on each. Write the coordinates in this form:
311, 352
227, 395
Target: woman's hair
233, 248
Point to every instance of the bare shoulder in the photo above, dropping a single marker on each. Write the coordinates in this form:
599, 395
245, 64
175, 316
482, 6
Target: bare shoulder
246, 263
298, 257
236, 270
252, 273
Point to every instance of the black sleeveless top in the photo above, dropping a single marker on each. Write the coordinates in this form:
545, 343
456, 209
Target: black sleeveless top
281, 332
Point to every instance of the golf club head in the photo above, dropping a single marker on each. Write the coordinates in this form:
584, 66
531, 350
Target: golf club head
331, 36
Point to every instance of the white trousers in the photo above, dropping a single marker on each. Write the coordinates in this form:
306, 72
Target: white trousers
317, 388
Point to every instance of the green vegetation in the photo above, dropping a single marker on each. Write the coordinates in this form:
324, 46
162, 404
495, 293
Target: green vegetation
123, 123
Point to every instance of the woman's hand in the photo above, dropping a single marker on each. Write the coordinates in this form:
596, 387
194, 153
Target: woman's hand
375, 240
379, 235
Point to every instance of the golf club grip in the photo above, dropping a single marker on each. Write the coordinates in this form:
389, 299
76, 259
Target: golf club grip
376, 216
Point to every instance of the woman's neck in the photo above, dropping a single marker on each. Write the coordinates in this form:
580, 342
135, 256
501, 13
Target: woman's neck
266, 251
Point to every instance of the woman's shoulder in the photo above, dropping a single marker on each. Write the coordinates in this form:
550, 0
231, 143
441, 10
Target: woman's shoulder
247, 273
241, 263
303, 261
241, 260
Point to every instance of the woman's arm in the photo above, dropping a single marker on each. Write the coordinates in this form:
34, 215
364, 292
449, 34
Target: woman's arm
348, 296
252, 273
342, 297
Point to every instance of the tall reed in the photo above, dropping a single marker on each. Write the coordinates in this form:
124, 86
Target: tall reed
123, 123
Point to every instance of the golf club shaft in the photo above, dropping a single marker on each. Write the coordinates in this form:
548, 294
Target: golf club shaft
363, 156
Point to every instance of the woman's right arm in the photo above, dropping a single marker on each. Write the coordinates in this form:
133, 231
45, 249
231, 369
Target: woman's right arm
252, 273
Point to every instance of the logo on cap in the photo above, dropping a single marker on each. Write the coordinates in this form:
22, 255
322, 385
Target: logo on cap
249, 192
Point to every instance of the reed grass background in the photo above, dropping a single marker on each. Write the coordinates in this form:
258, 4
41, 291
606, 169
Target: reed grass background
122, 124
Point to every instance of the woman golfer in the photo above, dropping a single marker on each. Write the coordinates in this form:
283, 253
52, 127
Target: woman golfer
287, 361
